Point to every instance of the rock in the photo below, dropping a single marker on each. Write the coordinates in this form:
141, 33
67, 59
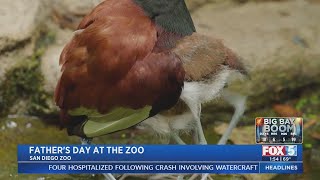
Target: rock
29, 125
240, 135
50, 60
21, 81
194, 4
11, 124
50, 67
10, 59
69, 13
81, 8
75, 7
19, 20
18, 108
279, 42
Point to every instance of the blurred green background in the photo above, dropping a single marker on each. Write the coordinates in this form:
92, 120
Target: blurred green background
278, 40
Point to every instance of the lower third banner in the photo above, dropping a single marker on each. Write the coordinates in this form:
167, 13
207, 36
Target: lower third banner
169, 159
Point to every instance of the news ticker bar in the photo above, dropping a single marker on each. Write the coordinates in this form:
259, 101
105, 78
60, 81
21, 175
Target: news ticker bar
164, 153
166, 168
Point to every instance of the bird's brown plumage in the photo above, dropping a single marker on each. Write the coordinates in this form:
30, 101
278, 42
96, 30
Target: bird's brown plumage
203, 56
112, 63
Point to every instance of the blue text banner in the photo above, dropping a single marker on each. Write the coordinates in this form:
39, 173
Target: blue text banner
142, 159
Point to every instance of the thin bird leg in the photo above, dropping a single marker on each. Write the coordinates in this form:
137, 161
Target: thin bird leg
238, 101
88, 141
195, 136
194, 177
197, 139
181, 177
162, 177
207, 176
202, 138
199, 129
109, 176
204, 176
124, 177
195, 108
177, 138
196, 112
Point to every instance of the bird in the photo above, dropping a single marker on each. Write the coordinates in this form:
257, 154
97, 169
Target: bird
208, 65
119, 64
119, 69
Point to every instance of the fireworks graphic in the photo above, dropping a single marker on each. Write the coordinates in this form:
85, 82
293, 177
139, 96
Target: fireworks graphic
294, 133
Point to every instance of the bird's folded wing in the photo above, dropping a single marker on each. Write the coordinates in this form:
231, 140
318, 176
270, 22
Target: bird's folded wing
203, 56
100, 57
116, 120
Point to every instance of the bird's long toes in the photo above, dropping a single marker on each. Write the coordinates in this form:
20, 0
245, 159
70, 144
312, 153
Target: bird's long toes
204, 176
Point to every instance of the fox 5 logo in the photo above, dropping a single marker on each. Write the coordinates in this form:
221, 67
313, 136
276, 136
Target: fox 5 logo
287, 150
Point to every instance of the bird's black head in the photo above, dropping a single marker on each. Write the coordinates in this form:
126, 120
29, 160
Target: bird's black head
172, 15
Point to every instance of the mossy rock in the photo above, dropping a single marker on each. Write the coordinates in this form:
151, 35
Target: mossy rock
24, 82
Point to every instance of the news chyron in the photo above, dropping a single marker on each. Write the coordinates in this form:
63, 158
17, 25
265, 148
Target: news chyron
279, 130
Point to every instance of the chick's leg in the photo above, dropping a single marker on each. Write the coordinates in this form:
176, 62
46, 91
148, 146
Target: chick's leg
175, 136
238, 101
86, 141
199, 134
